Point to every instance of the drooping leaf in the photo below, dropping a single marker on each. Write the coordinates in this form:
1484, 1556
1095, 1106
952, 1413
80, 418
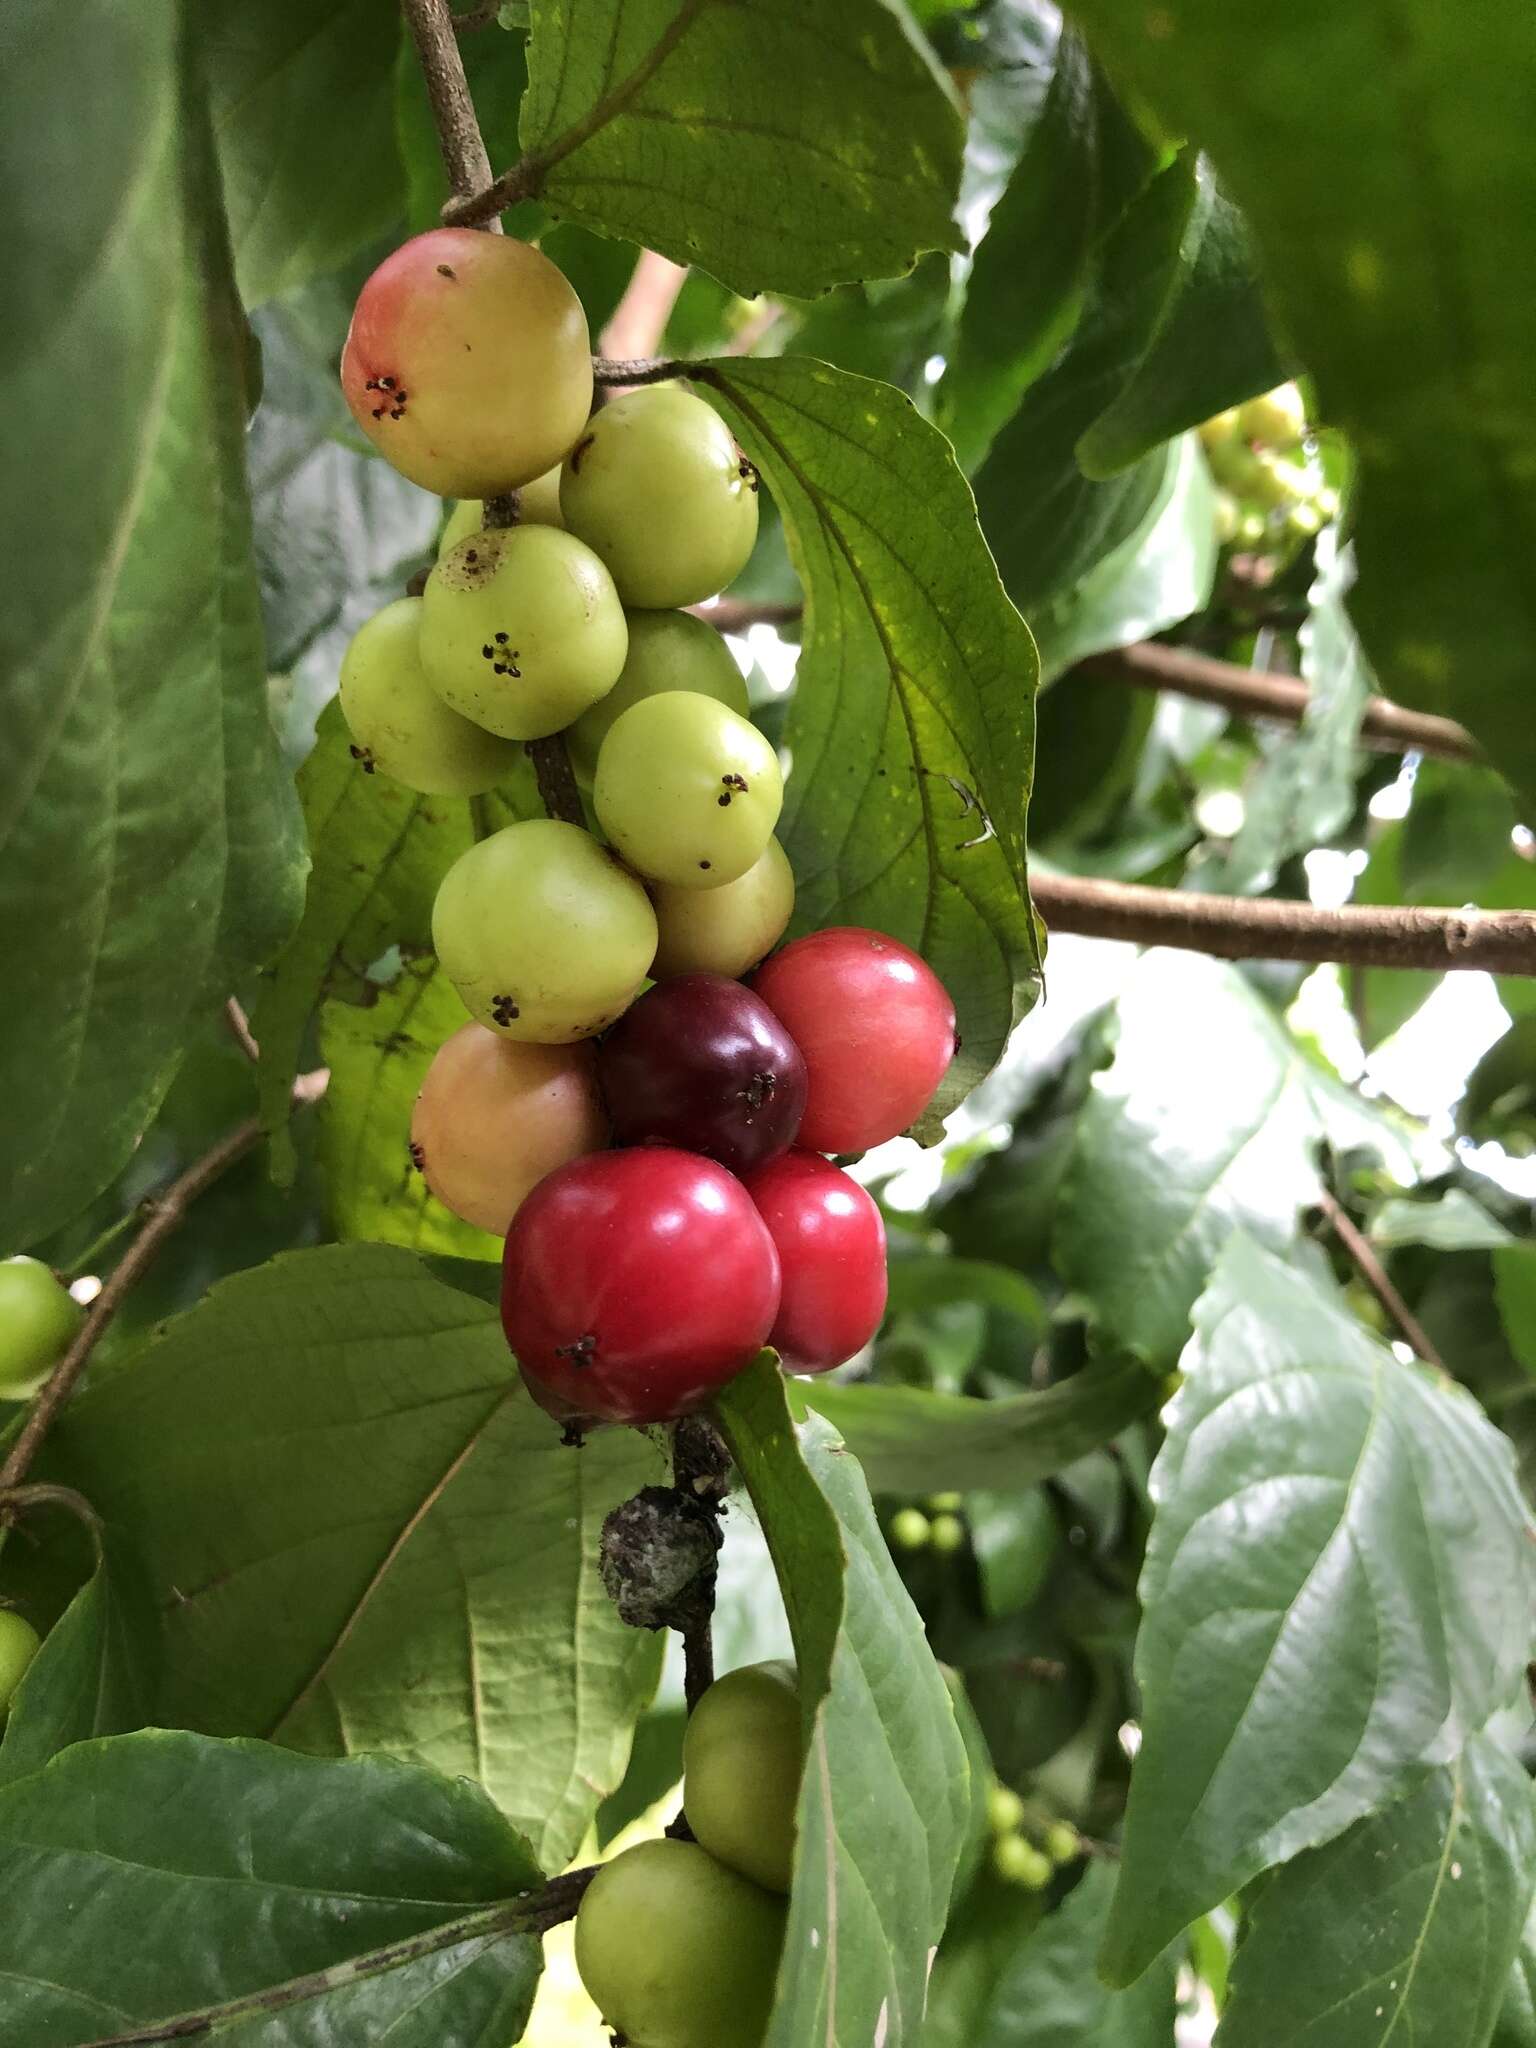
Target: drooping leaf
1083, 161
378, 1054
379, 851
302, 95
911, 729
144, 816
1415, 319
163, 1874
1337, 1592
1211, 348
1160, 574
1190, 1134
93, 1676
366, 1537
1403, 1929
912, 1441
885, 1802
778, 144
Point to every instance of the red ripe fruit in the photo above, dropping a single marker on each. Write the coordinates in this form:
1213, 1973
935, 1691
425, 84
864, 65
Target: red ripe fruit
876, 1026
636, 1284
830, 1237
702, 1063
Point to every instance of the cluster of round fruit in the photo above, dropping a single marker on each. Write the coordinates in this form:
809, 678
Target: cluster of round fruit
638, 1279
1018, 1859
940, 1529
678, 1941
1269, 495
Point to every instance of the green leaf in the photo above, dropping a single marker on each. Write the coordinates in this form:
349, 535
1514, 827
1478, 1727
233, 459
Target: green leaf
1047, 1994
1190, 1133
93, 1675
378, 1054
408, 1562
1516, 2026
1403, 1929
911, 729
1211, 347
922, 1280
496, 70
1452, 1222
1337, 1591
780, 145
161, 1874
302, 94
1514, 1269
1159, 575
912, 1441
379, 853
885, 1802
144, 817
1083, 161
1456, 835
1410, 314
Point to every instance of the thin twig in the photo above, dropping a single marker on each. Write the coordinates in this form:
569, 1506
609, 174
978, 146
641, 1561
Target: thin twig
535, 1913
240, 1029
638, 369
737, 614
1265, 928
1255, 693
1362, 1256
163, 1214
556, 779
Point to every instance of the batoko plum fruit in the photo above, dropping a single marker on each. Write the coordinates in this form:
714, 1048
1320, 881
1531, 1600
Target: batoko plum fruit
743, 1751
676, 1951
538, 504
494, 1117
19, 1644
521, 629
399, 723
876, 1026
728, 930
658, 487
637, 1283
667, 651
830, 1238
38, 1320
467, 363
699, 1062
543, 934
687, 790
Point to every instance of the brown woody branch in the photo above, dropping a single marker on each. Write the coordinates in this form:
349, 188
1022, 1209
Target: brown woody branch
1254, 693
163, 1214
1264, 928
1362, 1256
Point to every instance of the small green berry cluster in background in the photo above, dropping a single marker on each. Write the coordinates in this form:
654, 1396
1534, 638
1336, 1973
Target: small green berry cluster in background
1026, 1850
936, 1526
1271, 496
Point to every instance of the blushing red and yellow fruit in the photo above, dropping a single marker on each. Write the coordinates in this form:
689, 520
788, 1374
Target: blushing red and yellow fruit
875, 1024
637, 1283
544, 935
494, 1117
468, 362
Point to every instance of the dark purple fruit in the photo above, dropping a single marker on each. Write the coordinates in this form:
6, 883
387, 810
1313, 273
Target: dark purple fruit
702, 1063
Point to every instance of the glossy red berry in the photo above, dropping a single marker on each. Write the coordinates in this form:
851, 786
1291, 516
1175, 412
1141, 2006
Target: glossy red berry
876, 1026
830, 1237
701, 1062
635, 1284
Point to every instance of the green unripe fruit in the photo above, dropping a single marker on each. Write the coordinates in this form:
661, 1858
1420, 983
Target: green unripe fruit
667, 651
742, 1758
658, 487
910, 1529
1252, 529
538, 504
543, 934
687, 790
1019, 1862
725, 931
678, 1952
946, 1503
1276, 419
1226, 518
19, 1644
521, 629
38, 1319
400, 724
947, 1535
1005, 1809
1063, 1844
1219, 431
